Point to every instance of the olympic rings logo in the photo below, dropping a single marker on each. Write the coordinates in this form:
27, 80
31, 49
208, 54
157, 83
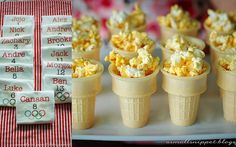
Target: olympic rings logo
6, 101
62, 96
35, 114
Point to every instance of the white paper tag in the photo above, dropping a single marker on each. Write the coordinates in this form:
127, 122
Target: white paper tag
17, 71
57, 54
35, 107
56, 68
61, 85
56, 19
56, 41
16, 30
16, 56
16, 85
16, 42
58, 29
18, 19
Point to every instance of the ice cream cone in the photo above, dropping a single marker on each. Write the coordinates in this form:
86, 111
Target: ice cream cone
167, 33
184, 94
226, 81
134, 96
215, 54
94, 54
166, 53
84, 91
129, 54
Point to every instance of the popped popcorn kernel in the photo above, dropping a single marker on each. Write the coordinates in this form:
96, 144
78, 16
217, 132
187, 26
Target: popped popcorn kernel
179, 42
219, 21
142, 65
228, 62
225, 43
178, 19
132, 41
85, 35
185, 63
84, 68
125, 22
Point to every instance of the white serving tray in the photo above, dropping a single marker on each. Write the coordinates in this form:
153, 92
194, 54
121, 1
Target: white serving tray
210, 123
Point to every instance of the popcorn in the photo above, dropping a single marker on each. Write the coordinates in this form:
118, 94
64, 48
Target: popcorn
178, 19
86, 35
125, 22
84, 68
186, 63
85, 23
142, 65
228, 62
132, 41
86, 40
225, 43
219, 21
178, 43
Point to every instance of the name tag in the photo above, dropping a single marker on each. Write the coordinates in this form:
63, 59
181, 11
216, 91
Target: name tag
35, 107
16, 56
56, 19
57, 68
18, 19
61, 85
17, 42
58, 29
16, 71
16, 30
15, 85
57, 54
56, 41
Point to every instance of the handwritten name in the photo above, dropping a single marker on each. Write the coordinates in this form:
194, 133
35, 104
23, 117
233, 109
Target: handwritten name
34, 99
13, 55
12, 88
59, 40
59, 81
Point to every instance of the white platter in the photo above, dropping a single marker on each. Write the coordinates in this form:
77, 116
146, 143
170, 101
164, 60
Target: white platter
210, 123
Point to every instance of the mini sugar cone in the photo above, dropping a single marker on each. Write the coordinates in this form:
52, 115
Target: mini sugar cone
94, 54
167, 33
184, 93
84, 91
166, 53
134, 96
226, 81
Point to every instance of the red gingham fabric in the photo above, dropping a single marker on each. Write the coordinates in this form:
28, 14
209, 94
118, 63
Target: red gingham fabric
58, 133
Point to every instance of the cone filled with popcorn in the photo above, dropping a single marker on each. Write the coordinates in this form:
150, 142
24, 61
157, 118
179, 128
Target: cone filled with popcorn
86, 84
184, 79
177, 21
120, 21
86, 40
218, 21
180, 43
134, 81
221, 45
226, 79
127, 43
